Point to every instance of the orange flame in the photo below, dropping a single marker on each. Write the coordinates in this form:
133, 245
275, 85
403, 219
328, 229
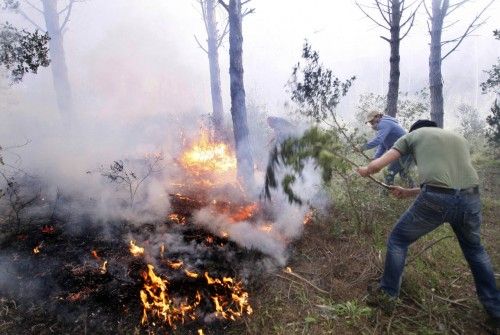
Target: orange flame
104, 267
177, 218
156, 302
200, 332
191, 274
36, 250
206, 156
266, 228
232, 308
244, 212
175, 265
136, 250
308, 218
95, 255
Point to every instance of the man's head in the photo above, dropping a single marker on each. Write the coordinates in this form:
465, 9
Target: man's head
373, 118
422, 123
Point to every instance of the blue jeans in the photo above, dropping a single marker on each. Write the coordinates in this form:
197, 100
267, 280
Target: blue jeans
431, 209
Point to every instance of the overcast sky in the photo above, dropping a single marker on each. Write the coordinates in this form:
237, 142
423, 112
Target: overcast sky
140, 58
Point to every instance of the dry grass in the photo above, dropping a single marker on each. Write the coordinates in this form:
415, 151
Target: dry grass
438, 295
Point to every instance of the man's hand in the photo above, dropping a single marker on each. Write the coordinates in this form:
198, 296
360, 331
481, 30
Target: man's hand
377, 164
363, 171
401, 192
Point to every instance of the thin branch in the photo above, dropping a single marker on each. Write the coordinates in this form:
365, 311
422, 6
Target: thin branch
223, 4
427, 248
385, 38
427, 10
34, 7
409, 27
371, 18
411, 5
454, 302
450, 25
289, 271
27, 18
199, 44
204, 8
63, 10
224, 33
66, 19
388, 20
450, 41
456, 6
471, 28
412, 16
248, 11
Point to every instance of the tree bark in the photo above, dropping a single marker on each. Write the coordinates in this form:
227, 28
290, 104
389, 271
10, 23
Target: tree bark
238, 107
393, 92
58, 61
213, 60
435, 76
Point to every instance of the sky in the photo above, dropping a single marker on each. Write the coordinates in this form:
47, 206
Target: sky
137, 58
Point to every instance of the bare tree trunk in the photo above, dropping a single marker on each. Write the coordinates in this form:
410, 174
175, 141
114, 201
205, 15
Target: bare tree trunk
213, 60
58, 61
393, 92
238, 107
435, 76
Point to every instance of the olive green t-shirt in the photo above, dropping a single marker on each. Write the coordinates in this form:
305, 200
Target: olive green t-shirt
442, 157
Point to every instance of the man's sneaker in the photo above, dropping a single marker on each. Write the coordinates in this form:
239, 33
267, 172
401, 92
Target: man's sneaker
377, 297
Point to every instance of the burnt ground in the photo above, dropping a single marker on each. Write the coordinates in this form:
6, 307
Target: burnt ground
62, 289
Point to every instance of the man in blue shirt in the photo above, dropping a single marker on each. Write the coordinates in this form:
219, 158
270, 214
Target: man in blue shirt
388, 132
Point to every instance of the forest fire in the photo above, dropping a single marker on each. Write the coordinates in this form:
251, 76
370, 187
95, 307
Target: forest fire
157, 303
208, 156
210, 166
136, 250
228, 299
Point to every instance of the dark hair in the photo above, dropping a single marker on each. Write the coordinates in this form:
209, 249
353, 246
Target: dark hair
422, 123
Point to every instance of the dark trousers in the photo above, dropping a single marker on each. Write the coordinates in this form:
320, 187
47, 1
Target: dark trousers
463, 211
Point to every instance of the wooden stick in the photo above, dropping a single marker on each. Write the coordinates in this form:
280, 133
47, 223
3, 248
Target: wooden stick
384, 185
289, 271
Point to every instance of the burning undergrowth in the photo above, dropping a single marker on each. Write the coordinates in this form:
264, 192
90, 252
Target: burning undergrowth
191, 272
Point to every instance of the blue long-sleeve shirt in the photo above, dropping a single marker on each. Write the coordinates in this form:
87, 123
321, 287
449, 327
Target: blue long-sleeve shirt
388, 132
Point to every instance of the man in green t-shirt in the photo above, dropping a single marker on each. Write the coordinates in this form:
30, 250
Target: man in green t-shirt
448, 193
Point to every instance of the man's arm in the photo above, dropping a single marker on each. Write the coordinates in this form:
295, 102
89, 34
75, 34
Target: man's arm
382, 133
379, 163
401, 192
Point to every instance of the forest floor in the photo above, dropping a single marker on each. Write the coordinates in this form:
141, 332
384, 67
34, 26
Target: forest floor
337, 264
323, 291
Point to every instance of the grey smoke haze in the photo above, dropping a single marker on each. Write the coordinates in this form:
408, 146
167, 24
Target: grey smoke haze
140, 83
